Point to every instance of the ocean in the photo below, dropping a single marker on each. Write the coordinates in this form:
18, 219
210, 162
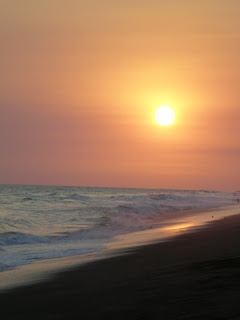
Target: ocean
45, 222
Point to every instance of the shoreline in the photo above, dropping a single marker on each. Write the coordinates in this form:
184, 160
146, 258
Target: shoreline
194, 275
45, 270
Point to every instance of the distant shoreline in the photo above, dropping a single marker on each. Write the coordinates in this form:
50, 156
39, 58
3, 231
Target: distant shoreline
114, 187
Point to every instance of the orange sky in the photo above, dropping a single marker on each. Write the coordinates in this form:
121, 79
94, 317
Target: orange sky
81, 80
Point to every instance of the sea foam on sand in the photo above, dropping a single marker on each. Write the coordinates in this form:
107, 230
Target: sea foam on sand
194, 275
189, 221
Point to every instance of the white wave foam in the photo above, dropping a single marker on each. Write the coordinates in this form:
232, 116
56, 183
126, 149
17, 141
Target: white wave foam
62, 220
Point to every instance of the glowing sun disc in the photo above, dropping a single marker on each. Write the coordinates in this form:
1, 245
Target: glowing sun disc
164, 116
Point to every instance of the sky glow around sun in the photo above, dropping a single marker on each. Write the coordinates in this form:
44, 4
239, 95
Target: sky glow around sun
82, 82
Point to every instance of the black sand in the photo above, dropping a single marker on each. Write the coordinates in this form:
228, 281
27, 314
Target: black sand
194, 276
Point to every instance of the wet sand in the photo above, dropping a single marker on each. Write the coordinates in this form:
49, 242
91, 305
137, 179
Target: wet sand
192, 276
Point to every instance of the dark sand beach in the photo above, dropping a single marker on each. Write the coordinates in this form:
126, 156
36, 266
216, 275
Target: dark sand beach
192, 276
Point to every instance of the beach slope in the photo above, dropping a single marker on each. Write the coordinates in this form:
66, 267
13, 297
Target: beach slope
192, 276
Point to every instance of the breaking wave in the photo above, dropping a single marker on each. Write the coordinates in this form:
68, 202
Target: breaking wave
47, 222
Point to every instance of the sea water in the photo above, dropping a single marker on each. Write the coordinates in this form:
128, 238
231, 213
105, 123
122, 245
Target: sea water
44, 222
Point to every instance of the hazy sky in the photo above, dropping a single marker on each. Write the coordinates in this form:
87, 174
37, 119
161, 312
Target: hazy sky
80, 82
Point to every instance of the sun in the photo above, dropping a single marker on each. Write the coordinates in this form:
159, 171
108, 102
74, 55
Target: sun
164, 116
